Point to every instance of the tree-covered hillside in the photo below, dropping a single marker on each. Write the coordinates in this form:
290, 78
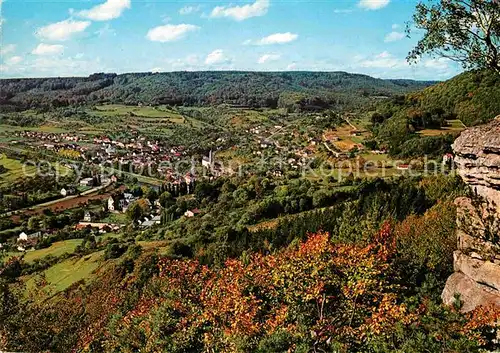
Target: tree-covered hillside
472, 97
297, 90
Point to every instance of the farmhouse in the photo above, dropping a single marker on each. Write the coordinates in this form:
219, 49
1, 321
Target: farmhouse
111, 204
192, 213
87, 217
25, 237
152, 222
87, 182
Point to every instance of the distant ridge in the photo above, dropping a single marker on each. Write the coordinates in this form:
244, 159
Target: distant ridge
298, 89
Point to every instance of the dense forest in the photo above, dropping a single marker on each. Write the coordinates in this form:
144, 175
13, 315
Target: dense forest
295, 90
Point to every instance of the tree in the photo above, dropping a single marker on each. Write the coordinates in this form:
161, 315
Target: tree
137, 210
34, 222
166, 199
466, 31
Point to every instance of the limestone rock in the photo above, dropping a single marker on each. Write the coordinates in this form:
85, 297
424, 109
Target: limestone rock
477, 260
477, 156
472, 294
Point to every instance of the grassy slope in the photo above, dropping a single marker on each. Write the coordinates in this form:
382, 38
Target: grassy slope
14, 170
64, 274
56, 249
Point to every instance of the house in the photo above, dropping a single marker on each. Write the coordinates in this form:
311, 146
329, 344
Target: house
123, 205
87, 182
87, 217
68, 191
114, 179
191, 213
98, 225
25, 237
110, 150
207, 162
147, 224
129, 197
403, 167
156, 219
111, 204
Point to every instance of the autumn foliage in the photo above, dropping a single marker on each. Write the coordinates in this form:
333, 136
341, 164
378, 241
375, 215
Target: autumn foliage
313, 296
317, 293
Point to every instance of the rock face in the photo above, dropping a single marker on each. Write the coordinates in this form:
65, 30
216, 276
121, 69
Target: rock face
477, 261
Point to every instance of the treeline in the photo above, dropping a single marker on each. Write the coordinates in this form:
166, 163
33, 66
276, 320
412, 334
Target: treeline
294, 90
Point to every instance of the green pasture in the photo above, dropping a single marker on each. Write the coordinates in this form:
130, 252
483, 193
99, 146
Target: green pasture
15, 170
56, 249
62, 275
161, 112
453, 126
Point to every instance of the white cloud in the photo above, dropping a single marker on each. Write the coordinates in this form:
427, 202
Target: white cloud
291, 66
276, 38
60, 66
217, 57
107, 11
383, 60
240, 13
439, 63
14, 60
61, 31
395, 26
169, 33
394, 36
48, 49
7, 49
186, 10
373, 4
268, 57
53, 66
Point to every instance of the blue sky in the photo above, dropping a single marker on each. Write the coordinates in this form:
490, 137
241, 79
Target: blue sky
79, 37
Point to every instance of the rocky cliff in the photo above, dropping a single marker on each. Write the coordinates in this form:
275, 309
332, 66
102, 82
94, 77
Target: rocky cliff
477, 260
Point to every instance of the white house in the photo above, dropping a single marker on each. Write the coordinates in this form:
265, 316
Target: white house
87, 217
156, 219
111, 204
87, 182
25, 237
64, 192
207, 162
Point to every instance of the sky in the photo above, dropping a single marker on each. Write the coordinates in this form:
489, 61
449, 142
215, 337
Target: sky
42, 38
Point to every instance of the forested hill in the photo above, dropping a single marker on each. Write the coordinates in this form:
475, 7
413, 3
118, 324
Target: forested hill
299, 90
472, 97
